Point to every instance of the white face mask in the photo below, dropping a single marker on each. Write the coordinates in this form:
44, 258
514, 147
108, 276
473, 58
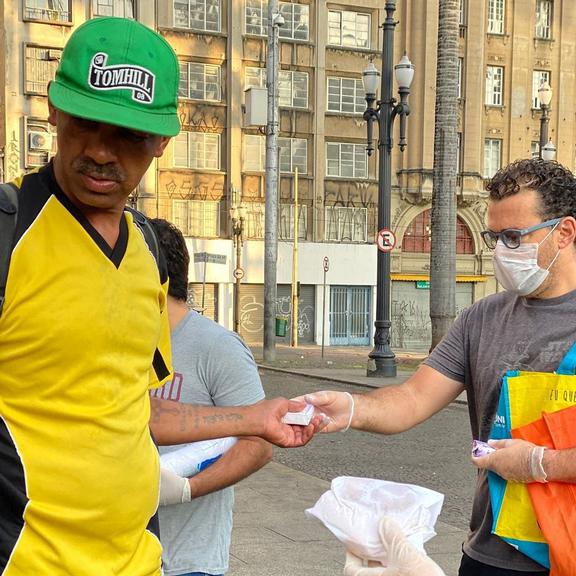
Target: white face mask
517, 269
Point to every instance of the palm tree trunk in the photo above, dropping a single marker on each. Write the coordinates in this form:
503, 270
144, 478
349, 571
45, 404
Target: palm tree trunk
443, 215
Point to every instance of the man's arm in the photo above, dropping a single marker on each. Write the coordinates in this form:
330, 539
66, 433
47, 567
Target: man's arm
247, 456
390, 409
176, 423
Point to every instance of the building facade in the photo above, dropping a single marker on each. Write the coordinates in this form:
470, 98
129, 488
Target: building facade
507, 48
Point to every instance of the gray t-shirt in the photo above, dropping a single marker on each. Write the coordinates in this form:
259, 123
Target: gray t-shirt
499, 333
212, 366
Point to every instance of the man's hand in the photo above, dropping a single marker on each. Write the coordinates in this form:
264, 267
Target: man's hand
173, 488
403, 558
514, 460
337, 406
270, 413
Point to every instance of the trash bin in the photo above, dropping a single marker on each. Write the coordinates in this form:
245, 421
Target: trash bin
281, 326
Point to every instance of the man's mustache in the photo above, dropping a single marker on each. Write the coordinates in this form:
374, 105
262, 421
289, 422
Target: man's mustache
99, 171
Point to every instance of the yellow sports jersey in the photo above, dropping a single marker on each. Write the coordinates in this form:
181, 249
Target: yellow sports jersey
83, 335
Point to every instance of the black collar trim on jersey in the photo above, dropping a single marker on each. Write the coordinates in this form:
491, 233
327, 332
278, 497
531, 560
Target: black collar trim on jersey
115, 254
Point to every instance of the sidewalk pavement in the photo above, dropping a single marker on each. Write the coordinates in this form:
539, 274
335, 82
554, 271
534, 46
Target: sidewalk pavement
271, 535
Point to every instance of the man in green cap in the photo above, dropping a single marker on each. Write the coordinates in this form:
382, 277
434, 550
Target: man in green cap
84, 331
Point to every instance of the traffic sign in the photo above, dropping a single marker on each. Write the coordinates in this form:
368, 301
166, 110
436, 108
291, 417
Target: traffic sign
386, 240
326, 264
239, 273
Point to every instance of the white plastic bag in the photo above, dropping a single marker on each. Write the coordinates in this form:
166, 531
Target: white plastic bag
192, 458
353, 508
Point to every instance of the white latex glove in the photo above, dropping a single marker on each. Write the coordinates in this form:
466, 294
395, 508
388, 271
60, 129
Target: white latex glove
173, 488
403, 558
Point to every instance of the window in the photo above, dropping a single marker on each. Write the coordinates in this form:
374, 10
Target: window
254, 153
40, 142
117, 8
462, 13
199, 150
534, 149
199, 81
296, 19
346, 160
198, 218
494, 85
460, 76
459, 143
417, 236
544, 19
538, 76
349, 29
47, 10
202, 15
293, 153
41, 64
292, 86
286, 222
492, 156
346, 224
254, 224
496, 10
346, 95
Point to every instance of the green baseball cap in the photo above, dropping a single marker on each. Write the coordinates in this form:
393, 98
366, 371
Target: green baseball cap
118, 71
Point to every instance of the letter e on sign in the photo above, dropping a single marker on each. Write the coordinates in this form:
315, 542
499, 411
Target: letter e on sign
386, 240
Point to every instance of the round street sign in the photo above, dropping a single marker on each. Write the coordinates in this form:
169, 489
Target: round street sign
386, 240
239, 273
326, 264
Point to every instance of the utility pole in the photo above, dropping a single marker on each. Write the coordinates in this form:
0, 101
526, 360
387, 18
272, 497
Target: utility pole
275, 20
295, 264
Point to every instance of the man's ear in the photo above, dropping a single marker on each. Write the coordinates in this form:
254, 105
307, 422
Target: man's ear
162, 143
567, 229
51, 109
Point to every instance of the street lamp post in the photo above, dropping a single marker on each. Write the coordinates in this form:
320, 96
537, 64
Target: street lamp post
238, 217
546, 151
385, 113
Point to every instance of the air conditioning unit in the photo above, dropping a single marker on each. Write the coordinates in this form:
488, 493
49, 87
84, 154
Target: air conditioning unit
39, 141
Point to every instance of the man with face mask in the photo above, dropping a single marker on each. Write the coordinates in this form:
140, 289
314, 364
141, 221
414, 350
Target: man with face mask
530, 326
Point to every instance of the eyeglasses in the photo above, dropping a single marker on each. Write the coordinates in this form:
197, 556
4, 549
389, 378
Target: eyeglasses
511, 237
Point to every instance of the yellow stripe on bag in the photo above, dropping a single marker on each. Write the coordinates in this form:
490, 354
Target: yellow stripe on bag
530, 394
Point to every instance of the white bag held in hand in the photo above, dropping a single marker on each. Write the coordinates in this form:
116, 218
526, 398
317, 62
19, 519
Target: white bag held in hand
193, 458
403, 558
353, 508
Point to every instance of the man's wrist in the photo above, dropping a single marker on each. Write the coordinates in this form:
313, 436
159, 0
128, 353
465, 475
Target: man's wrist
537, 470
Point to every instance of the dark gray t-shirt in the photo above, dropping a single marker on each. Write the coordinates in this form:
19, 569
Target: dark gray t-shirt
499, 333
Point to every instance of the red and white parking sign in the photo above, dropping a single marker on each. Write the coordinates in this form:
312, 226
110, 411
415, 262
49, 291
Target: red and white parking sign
386, 240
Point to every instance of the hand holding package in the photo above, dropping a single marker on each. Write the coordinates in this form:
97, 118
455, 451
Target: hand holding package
353, 508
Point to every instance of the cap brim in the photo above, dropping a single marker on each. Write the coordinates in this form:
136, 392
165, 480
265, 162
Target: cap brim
101, 110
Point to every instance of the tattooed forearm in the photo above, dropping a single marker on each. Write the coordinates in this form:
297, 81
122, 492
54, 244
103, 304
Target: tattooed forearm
172, 422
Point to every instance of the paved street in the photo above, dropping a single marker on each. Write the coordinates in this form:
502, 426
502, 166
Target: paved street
272, 535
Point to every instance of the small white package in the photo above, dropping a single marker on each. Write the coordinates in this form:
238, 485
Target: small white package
353, 507
190, 459
301, 418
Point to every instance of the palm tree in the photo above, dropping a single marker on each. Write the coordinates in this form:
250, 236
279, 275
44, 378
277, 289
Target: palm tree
443, 216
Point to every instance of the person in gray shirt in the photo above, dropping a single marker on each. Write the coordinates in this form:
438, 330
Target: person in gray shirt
212, 366
531, 223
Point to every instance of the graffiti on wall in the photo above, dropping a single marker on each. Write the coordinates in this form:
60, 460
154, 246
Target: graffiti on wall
357, 195
196, 119
12, 158
195, 186
252, 314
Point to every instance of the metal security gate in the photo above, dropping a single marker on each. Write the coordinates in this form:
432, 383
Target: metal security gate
410, 313
252, 312
349, 315
210, 293
306, 312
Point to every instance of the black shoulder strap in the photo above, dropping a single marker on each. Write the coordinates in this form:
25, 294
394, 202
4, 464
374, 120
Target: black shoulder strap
8, 217
148, 231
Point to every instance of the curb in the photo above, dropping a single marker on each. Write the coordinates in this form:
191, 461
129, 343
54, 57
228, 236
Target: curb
330, 379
